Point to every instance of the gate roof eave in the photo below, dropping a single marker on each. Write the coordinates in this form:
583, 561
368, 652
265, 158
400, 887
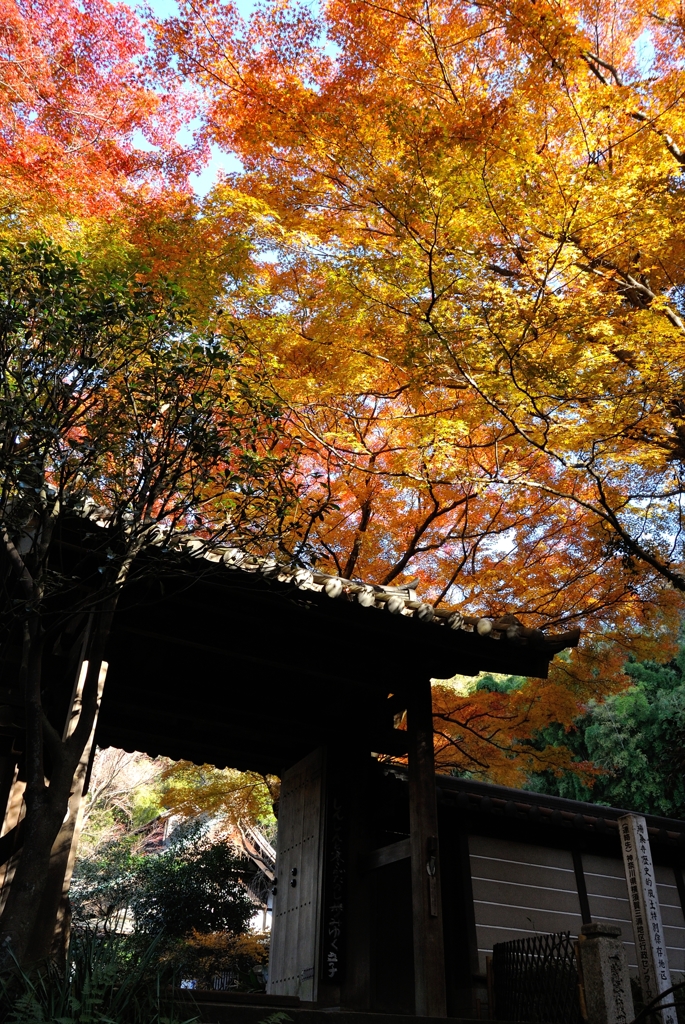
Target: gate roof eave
218, 661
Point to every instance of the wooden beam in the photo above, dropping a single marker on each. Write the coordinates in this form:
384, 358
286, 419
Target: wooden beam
389, 854
429, 951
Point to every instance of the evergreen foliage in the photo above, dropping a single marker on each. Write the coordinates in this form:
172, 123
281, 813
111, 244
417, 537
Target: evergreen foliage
102, 884
636, 738
193, 885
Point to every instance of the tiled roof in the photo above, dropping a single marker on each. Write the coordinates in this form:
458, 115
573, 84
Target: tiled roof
399, 601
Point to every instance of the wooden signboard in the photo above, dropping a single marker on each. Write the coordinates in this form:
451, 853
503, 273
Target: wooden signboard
335, 878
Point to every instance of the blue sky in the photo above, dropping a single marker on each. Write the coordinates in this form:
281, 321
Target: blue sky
164, 8
219, 161
223, 161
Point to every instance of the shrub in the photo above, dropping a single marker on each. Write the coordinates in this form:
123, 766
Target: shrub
105, 978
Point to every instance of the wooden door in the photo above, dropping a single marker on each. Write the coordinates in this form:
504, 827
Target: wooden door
295, 927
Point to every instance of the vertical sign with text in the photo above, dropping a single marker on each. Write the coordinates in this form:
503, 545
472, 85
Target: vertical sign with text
334, 892
650, 944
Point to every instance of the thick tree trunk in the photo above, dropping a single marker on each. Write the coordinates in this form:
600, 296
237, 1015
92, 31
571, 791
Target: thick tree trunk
50, 935
42, 823
47, 804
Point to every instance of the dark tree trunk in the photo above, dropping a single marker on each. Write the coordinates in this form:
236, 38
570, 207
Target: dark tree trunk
47, 804
42, 823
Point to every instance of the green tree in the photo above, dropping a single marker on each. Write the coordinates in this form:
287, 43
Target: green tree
114, 402
102, 884
637, 740
195, 885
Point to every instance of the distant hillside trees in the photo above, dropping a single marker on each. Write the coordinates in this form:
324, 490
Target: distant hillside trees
637, 740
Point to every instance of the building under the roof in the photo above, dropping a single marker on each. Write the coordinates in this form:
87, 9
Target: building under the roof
237, 662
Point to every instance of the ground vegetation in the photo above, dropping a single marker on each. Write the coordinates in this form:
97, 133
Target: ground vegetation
101, 979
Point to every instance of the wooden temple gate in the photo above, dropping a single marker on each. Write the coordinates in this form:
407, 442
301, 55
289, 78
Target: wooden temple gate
233, 662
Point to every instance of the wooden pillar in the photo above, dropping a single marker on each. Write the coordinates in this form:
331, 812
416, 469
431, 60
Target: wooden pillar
357, 989
429, 952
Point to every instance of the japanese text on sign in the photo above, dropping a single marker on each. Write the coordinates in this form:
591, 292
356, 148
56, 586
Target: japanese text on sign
645, 912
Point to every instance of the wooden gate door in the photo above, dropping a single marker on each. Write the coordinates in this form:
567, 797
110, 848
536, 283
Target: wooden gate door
295, 927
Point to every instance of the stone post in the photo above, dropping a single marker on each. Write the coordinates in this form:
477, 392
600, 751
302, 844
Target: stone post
604, 971
650, 943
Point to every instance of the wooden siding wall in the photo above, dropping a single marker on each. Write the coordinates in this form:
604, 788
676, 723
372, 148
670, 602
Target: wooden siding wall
520, 889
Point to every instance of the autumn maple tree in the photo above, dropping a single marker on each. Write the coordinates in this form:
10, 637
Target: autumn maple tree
82, 122
469, 215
